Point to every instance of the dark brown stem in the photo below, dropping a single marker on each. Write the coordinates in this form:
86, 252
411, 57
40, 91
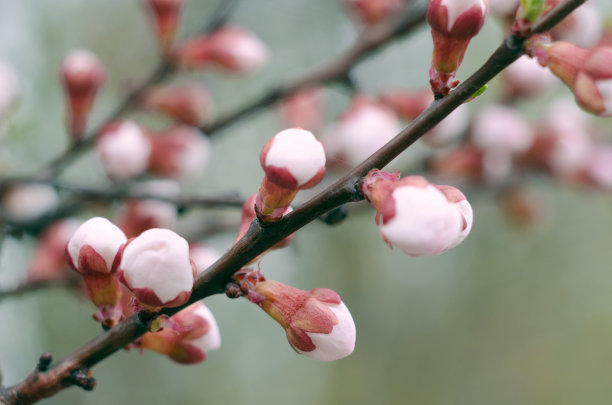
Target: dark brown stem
260, 238
32, 286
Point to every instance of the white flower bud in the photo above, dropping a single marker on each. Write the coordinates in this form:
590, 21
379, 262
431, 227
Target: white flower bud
123, 150
27, 202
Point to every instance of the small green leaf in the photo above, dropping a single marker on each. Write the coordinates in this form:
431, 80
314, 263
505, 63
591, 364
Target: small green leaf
480, 91
532, 9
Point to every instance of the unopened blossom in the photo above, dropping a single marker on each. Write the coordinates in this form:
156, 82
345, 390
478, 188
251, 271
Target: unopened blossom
370, 12
194, 333
165, 17
49, 260
416, 216
188, 104
449, 129
82, 74
364, 128
407, 104
180, 152
136, 215
203, 256
453, 24
464, 161
93, 252
29, 201
317, 322
303, 109
292, 160
123, 150
583, 27
10, 90
156, 267
230, 48
526, 78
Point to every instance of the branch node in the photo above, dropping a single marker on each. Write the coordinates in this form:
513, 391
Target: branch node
44, 362
335, 216
83, 377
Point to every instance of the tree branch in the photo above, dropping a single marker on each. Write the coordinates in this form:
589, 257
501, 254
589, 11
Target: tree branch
261, 237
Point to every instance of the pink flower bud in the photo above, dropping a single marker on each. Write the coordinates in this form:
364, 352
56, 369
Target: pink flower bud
526, 78
449, 129
49, 261
203, 256
464, 161
453, 24
231, 48
408, 104
180, 153
317, 322
29, 201
165, 15
583, 27
599, 167
420, 219
156, 267
10, 90
497, 127
82, 74
363, 129
138, 215
304, 109
195, 332
188, 104
370, 12
593, 84
123, 150
92, 251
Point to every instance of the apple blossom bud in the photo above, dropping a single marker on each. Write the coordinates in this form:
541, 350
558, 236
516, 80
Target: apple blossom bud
203, 256
188, 104
317, 322
49, 261
180, 153
93, 252
137, 215
453, 24
231, 48
364, 128
303, 109
583, 27
123, 150
165, 16
10, 90
456, 197
29, 201
195, 332
370, 12
156, 267
82, 74
292, 160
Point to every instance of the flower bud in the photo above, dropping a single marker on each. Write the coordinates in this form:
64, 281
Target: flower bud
231, 48
164, 15
303, 109
292, 160
49, 261
156, 267
599, 168
593, 84
188, 104
82, 74
453, 24
123, 150
92, 251
370, 12
180, 153
317, 322
583, 27
195, 332
364, 128
10, 90
526, 78
203, 256
459, 200
29, 201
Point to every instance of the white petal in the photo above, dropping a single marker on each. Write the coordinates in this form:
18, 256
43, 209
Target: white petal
102, 235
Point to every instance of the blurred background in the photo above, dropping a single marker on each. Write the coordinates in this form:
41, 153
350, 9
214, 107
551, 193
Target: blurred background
514, 315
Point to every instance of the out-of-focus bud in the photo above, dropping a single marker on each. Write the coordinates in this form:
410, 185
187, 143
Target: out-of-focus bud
49, 261
418, 217
231, 48
453, 24
407, 104
180, 153
304, 109
523, 207
188, 104
464, 161
526, 78
599, 168
123, 150
194, 333
10, 90
92, 251
203, 256
292, 160
138, 215
369, 12
156, 267
364, 128
29, 201
501, 133
317, 322
82, 74
583, 27
165, 16
449, 129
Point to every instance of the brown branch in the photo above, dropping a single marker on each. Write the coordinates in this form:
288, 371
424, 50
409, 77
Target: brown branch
370, 41
259, 237
32, 286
